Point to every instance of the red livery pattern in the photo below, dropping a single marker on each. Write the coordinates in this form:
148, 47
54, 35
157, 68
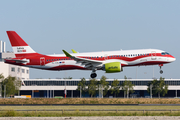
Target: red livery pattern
26, 56
15, 39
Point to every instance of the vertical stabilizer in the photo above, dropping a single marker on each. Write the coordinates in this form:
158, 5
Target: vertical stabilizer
20, 47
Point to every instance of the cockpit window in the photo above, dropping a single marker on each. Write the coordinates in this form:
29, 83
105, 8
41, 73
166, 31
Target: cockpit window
165, 53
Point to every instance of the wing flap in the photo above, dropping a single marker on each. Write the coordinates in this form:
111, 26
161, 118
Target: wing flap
87, 62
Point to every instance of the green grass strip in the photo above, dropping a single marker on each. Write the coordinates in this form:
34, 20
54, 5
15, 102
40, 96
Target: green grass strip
79, 113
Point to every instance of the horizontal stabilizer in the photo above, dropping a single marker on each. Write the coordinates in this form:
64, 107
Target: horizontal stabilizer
18, 61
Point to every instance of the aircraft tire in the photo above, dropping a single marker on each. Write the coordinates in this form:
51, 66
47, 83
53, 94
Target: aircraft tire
93, 75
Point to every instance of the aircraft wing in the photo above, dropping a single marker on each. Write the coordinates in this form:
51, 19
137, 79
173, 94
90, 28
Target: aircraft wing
74, 51
87, 62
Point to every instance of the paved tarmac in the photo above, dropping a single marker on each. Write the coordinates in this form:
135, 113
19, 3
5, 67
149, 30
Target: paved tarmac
96, 118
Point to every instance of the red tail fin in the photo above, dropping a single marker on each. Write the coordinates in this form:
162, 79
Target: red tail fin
15, 39
20, 47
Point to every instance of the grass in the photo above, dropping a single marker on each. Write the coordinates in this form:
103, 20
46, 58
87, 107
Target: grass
80, 113
11, 113
89, 101
10, 109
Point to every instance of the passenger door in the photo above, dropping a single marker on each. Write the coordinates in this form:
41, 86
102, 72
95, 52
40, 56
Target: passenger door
153, 55
42, 61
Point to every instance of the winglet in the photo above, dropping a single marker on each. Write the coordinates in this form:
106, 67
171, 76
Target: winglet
67, 54
73, 51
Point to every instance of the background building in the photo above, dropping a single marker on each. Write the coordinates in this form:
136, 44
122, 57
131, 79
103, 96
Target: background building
12, 70
55, 87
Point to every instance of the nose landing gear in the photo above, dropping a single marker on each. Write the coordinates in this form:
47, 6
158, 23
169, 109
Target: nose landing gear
161, 71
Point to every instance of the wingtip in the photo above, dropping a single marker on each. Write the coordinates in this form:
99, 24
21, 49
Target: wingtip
66, 53
73, 51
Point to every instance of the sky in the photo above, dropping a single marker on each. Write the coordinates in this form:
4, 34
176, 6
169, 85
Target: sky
99, 25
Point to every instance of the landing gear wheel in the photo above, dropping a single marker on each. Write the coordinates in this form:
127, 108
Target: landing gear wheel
161, 71
160, 65
93, 75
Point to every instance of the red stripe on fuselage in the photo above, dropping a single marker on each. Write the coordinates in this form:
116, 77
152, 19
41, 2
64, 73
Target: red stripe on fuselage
147, 63
35, 60
22, 56
49, 59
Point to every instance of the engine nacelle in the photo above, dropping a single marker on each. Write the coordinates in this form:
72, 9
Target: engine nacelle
112, 67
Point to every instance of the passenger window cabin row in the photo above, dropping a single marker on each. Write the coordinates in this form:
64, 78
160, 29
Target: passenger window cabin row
112, 56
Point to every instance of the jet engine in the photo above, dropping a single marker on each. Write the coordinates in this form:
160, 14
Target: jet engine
112, 67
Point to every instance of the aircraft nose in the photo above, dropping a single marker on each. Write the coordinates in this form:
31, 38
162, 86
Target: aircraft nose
172, 59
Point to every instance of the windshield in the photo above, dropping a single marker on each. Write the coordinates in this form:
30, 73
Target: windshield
165, 53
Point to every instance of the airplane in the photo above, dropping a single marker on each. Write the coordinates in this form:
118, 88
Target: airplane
108, 61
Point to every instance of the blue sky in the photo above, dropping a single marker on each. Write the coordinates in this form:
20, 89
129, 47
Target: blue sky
101, 25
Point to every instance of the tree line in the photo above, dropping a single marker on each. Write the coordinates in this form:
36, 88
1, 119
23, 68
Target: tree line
9, 86
93, 86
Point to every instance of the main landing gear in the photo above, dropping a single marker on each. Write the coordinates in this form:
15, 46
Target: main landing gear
93, 74
161, 71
